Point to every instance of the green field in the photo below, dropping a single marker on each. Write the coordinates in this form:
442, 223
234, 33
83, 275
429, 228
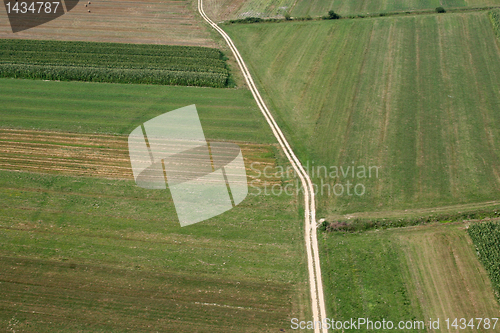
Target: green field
416, 97
350, 7
99, 254
117, 109
406, 274
113, 62
224, 9
486, 238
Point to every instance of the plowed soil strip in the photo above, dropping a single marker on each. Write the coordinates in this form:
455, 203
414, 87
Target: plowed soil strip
100, 155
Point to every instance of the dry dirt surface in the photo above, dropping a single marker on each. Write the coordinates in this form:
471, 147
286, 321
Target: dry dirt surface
311, 240
122, 21
100, 155
222, 10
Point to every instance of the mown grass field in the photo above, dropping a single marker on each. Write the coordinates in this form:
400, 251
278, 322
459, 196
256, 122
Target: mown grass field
405, 274
82, 248
117, 109
416, 96
122, 21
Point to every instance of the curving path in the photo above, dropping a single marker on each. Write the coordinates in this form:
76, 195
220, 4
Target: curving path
315, 281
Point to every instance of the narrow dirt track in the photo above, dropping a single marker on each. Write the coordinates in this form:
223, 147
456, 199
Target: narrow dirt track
314, 268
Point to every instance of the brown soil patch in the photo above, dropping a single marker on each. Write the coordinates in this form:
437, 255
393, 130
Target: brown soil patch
99, 155
122, 21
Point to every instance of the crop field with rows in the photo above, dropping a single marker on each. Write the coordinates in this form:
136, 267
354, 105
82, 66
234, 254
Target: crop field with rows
112, 62
486, 238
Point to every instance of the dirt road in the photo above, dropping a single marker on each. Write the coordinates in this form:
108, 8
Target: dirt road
315, 281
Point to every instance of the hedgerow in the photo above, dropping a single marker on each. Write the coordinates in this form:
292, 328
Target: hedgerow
113, 62
486, 239
359, 225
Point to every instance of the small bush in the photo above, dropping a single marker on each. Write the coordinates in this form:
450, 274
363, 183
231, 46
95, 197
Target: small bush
247, 20
360, 225
288, 17
332, 15
440, 10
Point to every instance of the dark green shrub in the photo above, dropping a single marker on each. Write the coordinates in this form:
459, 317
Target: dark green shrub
440, 10
332, 15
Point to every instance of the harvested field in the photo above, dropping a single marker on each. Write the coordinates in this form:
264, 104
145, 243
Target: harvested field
122, 21
99, 155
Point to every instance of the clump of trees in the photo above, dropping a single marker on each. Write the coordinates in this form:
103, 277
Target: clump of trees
440, 10
332, 15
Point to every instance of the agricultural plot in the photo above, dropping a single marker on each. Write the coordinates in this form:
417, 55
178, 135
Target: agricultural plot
225, 10
221, 10
417, 97
113, 62
410, 274
116, 109
145, 22
84, 248
486, 238
350, 7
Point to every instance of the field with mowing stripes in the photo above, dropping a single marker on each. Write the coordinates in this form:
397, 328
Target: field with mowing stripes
416, 96
82, 248
405, 274
117, 109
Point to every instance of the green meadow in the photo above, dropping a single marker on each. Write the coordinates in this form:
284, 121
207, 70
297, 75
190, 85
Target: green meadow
98, 254
408, 274
117, 108
415, 96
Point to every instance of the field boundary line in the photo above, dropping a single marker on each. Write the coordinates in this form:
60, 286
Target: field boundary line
311, 240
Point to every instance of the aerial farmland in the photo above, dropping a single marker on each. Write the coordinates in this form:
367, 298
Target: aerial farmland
363, 196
